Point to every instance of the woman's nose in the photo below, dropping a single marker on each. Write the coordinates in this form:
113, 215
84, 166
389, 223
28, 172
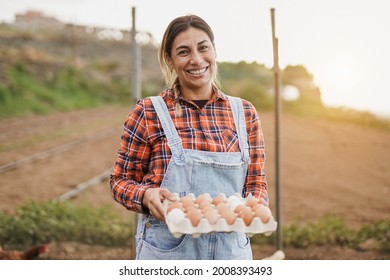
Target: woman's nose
196, 58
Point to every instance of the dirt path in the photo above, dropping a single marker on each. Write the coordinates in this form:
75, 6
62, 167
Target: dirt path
328, 167
99, 131
331, 167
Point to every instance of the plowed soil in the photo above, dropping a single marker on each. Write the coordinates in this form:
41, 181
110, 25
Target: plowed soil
327, 168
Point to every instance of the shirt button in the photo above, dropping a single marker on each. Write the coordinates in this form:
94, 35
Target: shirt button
148, 225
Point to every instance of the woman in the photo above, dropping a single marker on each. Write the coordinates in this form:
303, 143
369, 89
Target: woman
191, 138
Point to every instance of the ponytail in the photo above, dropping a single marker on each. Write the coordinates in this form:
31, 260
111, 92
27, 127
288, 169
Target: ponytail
177, 93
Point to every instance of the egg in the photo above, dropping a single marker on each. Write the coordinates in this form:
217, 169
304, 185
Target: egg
227, 214
204, 203
194, 215
202, 197
218, 199
234, 204
251, 202
186, 199
262, 212
176, 215
187, 202
220, 206
208, 209
174, 205
212, 217
191, 207
247, 215
238, 208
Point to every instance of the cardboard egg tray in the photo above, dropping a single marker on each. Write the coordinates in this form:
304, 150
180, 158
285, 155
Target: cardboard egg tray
184, 226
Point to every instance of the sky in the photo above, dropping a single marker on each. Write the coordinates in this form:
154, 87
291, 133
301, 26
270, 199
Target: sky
345, 44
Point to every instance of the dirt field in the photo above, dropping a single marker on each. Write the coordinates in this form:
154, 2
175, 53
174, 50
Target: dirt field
327, 168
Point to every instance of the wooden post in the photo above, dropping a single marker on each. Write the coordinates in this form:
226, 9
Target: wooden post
73, 44
136, 61
278, 109
136, 95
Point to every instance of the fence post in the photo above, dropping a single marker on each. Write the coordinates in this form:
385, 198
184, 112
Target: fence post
136, 61
278, 105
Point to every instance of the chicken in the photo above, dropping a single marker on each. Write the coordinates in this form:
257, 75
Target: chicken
29, 254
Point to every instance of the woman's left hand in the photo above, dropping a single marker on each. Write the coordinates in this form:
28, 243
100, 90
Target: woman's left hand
153, 199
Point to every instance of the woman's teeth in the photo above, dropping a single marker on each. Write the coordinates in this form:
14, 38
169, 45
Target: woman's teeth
197, 72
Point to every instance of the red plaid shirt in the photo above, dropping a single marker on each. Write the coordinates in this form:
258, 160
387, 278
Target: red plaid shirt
144, 155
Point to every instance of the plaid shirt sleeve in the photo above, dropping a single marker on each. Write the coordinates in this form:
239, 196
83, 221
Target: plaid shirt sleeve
132, 162
256, 182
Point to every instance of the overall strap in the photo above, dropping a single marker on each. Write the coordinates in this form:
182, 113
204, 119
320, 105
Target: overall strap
174, 140
239, 121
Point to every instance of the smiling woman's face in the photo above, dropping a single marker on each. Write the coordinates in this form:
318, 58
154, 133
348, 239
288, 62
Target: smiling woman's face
193, 59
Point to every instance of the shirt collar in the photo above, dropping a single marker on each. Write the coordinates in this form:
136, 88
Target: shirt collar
217, 94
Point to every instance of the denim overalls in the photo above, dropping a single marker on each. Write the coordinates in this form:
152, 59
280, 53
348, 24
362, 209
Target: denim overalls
194, 171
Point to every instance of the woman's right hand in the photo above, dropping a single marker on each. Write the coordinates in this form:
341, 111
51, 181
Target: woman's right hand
153, 198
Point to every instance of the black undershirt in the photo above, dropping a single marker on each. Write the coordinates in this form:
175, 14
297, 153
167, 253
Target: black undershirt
200, 103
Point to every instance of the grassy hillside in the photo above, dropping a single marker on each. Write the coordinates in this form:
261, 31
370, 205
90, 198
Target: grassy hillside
68, 89
43, 72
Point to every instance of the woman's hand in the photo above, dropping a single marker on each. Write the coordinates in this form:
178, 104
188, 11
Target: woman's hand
153, 199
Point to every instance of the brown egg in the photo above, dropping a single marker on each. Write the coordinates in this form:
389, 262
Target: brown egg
251, 202
204, 203
190, 207
212, 217
173, 205
221, 206
201, 198
206, 209
218, 199
243, 211
227, 214
187, 202
239, 208
186, 199
262, 212
194, 215
246, 214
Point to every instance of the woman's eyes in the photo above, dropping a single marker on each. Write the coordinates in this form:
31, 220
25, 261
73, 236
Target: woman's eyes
204, 48
185, 52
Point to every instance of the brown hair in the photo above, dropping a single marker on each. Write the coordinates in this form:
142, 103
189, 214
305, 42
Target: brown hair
178, 25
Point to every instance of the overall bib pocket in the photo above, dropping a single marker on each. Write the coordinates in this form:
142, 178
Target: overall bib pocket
217, 178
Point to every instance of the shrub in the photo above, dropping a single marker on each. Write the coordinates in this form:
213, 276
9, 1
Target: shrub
330, 230
52, 221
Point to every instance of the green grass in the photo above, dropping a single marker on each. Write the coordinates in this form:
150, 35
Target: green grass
37, 223
68, 89
331, 231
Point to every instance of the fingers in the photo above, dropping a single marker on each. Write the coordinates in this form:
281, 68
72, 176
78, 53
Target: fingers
166, 194
153, 199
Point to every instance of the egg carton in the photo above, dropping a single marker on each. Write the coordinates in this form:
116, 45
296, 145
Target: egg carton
184, 226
